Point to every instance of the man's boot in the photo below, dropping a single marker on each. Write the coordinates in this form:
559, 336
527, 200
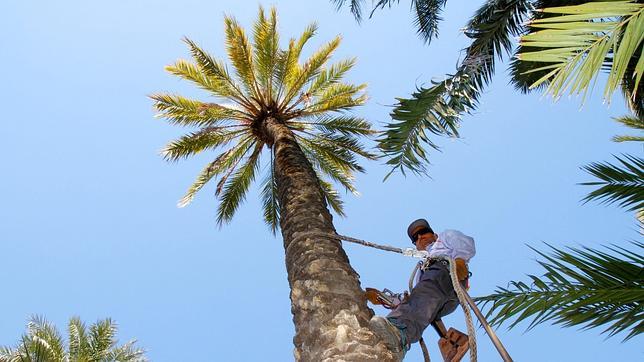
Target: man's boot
454, 345
390, 335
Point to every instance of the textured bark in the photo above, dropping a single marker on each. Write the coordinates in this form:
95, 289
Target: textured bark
329, 308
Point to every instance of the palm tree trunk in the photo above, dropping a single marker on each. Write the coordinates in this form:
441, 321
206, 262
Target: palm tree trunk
329, 309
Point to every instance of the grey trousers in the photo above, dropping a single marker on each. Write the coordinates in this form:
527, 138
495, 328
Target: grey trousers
432, 298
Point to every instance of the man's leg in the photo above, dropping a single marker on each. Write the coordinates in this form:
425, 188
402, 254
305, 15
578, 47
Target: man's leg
431, 298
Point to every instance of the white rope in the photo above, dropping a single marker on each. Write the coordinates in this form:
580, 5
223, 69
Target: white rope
452, 268
458, 288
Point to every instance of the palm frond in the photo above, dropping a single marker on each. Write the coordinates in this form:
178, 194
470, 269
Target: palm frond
338, 165
636, 123
196, 142
44, 336
220, 82
634, 95
288, 68
266, 47
8, 354
330, 76
234, 189
270, 202
337, 97
427, 111
492, 29
101, 338
331, 196
623, 183
311, 69
127, 353
240, 53
582, 286
579, 41
346, 125
221, 164
355, 7
193, 73
427, 17
78, 342
187, 112
439, 108
43, 342
524, 74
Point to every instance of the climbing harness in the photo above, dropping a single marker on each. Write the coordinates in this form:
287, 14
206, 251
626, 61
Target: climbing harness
464, 299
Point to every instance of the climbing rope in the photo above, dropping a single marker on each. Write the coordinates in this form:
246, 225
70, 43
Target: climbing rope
421, 341
452, 268
462, 301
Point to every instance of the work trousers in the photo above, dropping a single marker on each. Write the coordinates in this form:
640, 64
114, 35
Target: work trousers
432, 298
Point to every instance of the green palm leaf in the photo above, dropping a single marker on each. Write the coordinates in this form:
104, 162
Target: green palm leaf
347, 125
270, 204
636, 123
426, 16
331, 196
266, 47
439, 108
196, 142
426, 13
355, 7
222, 163
234, 190
101, 338
187, 112
623, 183
331, 76
43, 342
201, 78
326, 160
127, 352
310, 69
586, 287
403, 139
240, 53
579, 41
78, 342
287, 60
46, 339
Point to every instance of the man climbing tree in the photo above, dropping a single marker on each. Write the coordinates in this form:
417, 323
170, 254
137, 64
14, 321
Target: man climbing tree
433, 296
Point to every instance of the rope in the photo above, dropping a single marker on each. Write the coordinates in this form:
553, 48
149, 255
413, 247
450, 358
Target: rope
462, 301
421, 341
452, 267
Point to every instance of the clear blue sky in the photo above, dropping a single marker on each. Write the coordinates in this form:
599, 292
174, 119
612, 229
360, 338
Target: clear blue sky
89, 227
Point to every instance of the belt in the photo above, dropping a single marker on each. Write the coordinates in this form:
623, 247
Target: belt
429, 262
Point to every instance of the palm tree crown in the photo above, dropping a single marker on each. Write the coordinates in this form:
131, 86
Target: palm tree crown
43, 342
268, 83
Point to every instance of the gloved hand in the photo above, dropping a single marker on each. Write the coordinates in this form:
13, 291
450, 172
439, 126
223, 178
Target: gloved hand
462, 272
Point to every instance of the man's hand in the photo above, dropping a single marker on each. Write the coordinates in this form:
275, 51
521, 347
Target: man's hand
461, 269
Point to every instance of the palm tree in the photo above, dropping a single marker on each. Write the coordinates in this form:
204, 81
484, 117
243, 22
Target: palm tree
296, 115
43, 342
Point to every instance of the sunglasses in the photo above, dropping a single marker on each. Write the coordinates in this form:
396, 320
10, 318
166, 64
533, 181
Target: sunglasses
420, 232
